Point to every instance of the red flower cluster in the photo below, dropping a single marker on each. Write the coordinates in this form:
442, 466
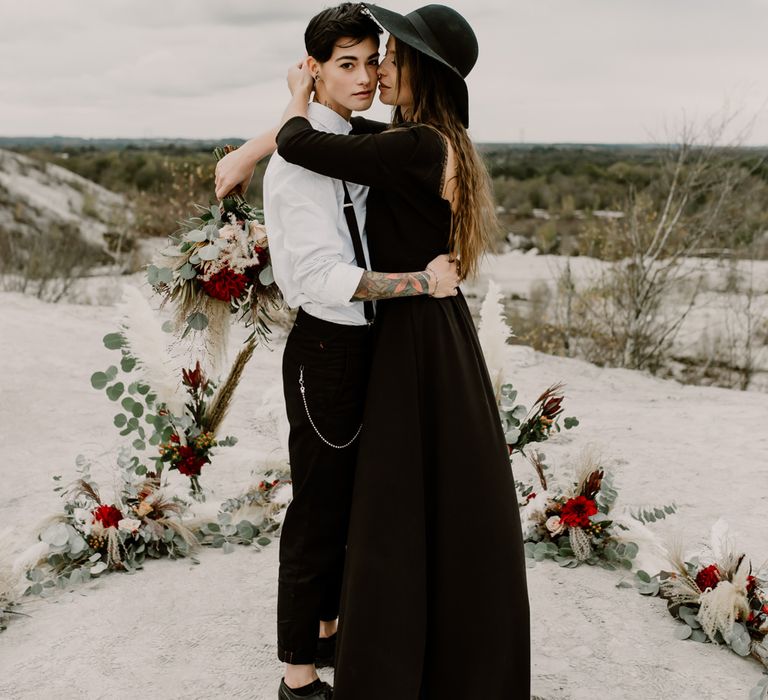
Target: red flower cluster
225, 284
708, 577
576, 511
265, 486
108, 516
190, 463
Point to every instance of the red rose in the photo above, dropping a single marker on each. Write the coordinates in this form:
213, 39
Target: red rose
576, 511
225, 284
765, 609
708, 577
108, 516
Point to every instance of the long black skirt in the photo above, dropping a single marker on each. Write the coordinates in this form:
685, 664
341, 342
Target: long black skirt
434, 602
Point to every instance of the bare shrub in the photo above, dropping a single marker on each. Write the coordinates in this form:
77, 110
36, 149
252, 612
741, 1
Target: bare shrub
623, 317
46, 265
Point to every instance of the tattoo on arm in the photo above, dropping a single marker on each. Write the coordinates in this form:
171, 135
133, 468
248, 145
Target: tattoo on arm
388, 285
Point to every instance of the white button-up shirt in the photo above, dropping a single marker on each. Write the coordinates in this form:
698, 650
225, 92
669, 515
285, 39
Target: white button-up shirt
311, 247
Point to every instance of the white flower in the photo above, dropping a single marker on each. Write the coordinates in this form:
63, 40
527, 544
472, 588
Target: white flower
283, 494
554, 525
129, 524
229, 231
84, 519
257, 229
82, 515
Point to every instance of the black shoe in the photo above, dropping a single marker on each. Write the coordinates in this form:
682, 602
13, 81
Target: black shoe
320, 691
325, 656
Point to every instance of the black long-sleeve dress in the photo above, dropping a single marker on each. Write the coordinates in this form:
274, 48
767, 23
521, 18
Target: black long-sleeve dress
434, 603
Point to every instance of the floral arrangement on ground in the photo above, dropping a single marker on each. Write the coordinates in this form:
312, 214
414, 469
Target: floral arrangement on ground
717, 595
570, 525
94, 535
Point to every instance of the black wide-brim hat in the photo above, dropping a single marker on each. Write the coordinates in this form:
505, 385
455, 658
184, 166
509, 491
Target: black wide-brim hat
442, 34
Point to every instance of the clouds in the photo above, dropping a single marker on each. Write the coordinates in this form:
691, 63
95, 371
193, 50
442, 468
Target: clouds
551, 70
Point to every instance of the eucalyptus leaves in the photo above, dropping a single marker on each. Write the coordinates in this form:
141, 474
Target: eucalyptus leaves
184, 441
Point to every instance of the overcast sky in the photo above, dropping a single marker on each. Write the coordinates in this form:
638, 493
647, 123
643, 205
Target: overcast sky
549, 70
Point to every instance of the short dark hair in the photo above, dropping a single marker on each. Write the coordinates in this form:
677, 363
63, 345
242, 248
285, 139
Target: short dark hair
349, 19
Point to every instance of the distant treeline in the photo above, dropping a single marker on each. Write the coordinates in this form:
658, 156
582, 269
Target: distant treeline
546, 194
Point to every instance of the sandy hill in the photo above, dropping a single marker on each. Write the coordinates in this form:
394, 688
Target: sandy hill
35, 194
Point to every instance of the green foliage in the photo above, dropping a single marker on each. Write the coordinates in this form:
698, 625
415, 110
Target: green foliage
139, 403
650, 514
610, 554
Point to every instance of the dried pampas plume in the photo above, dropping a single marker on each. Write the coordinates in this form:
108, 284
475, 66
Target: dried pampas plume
722, 546
182, 530
680, 588
223, 397
589, 471
147, 342
10, 581
538, 465
722, 605
493, 333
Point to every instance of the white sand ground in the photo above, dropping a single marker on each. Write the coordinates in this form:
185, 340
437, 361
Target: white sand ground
178, 630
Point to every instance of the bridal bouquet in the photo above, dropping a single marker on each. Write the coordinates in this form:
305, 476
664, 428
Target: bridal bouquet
718, 597
218, 265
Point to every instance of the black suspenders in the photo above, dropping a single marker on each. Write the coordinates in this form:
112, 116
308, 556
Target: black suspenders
357, 244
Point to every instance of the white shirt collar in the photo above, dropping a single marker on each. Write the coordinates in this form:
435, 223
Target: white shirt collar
328, 119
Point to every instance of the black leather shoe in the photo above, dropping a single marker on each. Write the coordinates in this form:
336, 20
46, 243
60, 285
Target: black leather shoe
323, 691
325, 656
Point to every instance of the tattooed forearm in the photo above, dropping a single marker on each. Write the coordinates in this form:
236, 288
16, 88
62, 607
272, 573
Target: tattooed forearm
387, 285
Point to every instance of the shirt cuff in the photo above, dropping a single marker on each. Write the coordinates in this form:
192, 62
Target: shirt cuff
343, 282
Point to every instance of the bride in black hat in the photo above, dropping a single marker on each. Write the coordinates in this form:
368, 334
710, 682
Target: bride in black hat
435, 603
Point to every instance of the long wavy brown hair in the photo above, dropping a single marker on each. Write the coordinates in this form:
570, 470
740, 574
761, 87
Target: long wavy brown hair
474, 221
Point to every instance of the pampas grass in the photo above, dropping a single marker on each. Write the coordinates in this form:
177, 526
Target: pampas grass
11, 586
493, 333
723, 605
222, 400
722, 547
148, 343
588, 466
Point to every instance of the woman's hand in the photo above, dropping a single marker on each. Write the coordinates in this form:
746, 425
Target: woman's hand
300, 78
446, 277
234, 172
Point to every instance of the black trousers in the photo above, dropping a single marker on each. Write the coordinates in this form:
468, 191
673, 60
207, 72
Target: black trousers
333, 361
